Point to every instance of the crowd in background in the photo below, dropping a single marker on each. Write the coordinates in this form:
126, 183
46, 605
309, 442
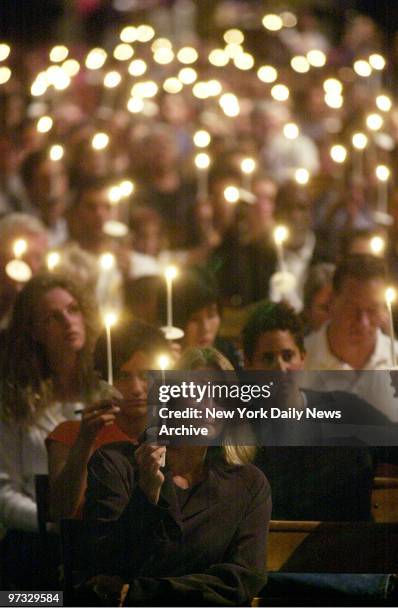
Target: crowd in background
162, 147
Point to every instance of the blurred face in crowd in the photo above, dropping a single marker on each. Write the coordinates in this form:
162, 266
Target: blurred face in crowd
319, 310
131, 381
148, 238
161, 153
276, 350
357, 310
93, 210
263, 210
202, 327
59, 324
223, 212
297, 215
48, 189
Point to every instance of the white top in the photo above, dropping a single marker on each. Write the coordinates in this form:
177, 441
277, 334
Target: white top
282, 157
372, 382
297, 263
22, 455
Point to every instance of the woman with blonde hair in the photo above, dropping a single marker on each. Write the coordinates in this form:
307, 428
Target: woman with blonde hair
193, 532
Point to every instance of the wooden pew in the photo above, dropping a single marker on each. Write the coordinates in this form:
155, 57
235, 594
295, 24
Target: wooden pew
385, 499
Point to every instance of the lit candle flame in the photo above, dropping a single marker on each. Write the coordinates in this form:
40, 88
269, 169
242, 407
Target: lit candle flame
281, 234
53, 259
20, 247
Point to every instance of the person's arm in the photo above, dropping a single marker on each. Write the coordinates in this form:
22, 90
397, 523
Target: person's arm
112, 501
68, 465
234, 581
17, 509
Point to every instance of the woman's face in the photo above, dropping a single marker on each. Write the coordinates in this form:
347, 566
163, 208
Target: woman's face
131, 381
202, 328
59, 323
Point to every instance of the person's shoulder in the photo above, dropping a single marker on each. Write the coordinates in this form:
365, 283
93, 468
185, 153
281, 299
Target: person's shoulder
118, 454
251, 477
385, 341
358, 408
65, 432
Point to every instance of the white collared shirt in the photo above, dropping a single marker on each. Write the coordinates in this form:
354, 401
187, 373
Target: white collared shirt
371, 383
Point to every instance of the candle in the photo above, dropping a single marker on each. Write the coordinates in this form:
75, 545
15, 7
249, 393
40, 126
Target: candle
233, 194
247, 166
377, 245
202, 163
202, 139
170, 274
390, 296
164, 362
281, 233
17, 269
100, 141
106, 278
53, 258
126, 190
359, 142
171, 332
110, 319
382, 174
302, 176
338, 153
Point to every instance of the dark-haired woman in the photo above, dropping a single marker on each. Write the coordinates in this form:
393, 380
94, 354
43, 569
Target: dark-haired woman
46, 365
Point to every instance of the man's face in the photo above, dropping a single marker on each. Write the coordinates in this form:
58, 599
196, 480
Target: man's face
94, 210
357, 310
277, 351
297, 215
265, 192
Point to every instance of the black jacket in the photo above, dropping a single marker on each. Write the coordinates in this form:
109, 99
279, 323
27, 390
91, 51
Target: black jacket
206, 547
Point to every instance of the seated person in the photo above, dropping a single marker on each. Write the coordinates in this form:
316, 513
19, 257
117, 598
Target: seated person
194, 533
197, 312
135, 346
352, 339
311, 482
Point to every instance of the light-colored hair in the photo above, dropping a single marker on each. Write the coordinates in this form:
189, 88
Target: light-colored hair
197, 358
319, 276
15, 223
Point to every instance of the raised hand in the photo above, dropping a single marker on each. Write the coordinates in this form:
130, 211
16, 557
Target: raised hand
150, 459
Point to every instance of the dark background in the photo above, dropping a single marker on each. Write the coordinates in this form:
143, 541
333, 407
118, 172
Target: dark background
36, 20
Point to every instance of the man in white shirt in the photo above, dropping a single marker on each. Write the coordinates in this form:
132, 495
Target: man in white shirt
352, 340
91, 211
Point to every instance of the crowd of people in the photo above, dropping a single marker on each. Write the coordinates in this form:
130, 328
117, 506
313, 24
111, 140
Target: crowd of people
260, 163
